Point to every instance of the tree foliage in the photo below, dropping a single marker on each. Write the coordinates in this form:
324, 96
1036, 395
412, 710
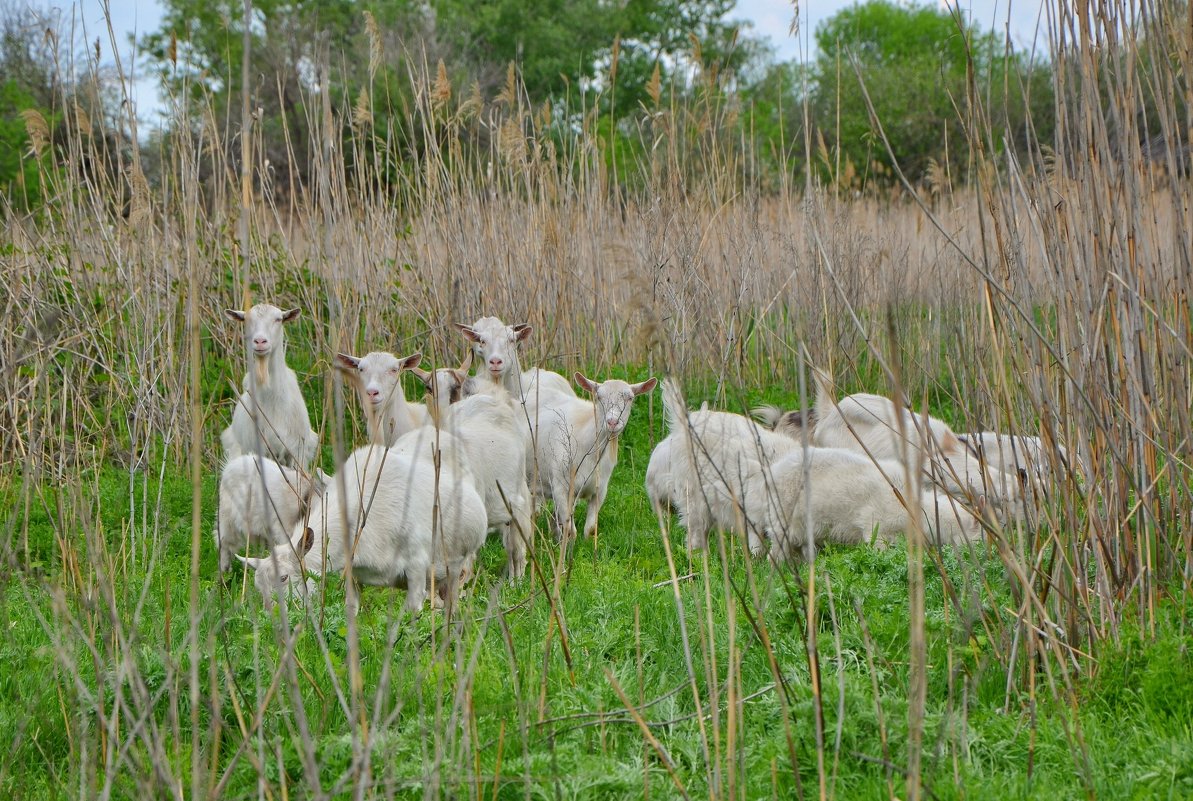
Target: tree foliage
928, 74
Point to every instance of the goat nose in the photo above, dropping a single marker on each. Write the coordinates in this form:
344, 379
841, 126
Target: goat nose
496, 361
260, 341
372, 393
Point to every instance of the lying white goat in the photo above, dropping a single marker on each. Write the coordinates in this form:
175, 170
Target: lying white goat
848, 498
410, 516
260, 501
874, 426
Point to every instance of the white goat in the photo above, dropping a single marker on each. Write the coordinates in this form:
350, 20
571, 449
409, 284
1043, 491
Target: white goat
796, 423
716, 459
660, 477
271, 410
1014, 454
874, 426
377, 377
576, 446
405, 524
491, 430
848, 498
260, 501
496, 345
447, 385
538, 383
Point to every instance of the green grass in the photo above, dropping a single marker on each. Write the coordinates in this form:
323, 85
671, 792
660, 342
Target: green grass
527, 722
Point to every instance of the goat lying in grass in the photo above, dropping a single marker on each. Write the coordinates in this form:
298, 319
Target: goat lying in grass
816, 495
260, 501
706, 466
722, 470
401, 515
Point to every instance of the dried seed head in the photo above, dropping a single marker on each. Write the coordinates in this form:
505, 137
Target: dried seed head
373, 31
654, 87
38, 130
511, 142
474, 104
362, 112
441, 91
509, 93
82, 121
140, 210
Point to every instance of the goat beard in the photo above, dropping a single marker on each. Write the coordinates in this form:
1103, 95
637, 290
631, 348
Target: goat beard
261, 366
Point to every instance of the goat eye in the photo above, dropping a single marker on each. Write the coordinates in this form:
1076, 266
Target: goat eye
285, 579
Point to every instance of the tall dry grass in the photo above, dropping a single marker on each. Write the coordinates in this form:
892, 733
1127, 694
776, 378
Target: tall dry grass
1049, 295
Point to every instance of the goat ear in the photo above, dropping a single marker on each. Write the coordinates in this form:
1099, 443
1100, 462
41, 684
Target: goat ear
235, 314
521, 331
292, 314
346, 362
461, 377
422, 375
646, 386
411, 361
308, 540
466, 365
587, 384
467, 331
253, 562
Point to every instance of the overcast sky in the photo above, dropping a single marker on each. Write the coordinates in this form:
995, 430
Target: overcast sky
770, 19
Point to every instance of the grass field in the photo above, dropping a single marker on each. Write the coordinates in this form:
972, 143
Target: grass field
499, 704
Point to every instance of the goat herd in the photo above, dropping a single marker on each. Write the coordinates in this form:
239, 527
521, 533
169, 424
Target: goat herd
413, 507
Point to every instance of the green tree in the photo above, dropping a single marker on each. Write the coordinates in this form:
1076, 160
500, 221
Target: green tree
914, 62
560, 47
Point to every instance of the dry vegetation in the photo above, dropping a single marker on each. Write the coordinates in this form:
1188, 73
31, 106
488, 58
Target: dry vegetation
1051, 296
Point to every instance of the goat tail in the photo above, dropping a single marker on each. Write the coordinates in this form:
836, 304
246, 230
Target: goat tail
769, 416
674, 406
825, 393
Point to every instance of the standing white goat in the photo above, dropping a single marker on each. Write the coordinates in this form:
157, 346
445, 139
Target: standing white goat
492, 431
576, 446
409, 516
271, 410
260, 501
495, 345
377, 377
716, 460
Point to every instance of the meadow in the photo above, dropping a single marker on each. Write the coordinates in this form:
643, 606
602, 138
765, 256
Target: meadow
1047, 297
